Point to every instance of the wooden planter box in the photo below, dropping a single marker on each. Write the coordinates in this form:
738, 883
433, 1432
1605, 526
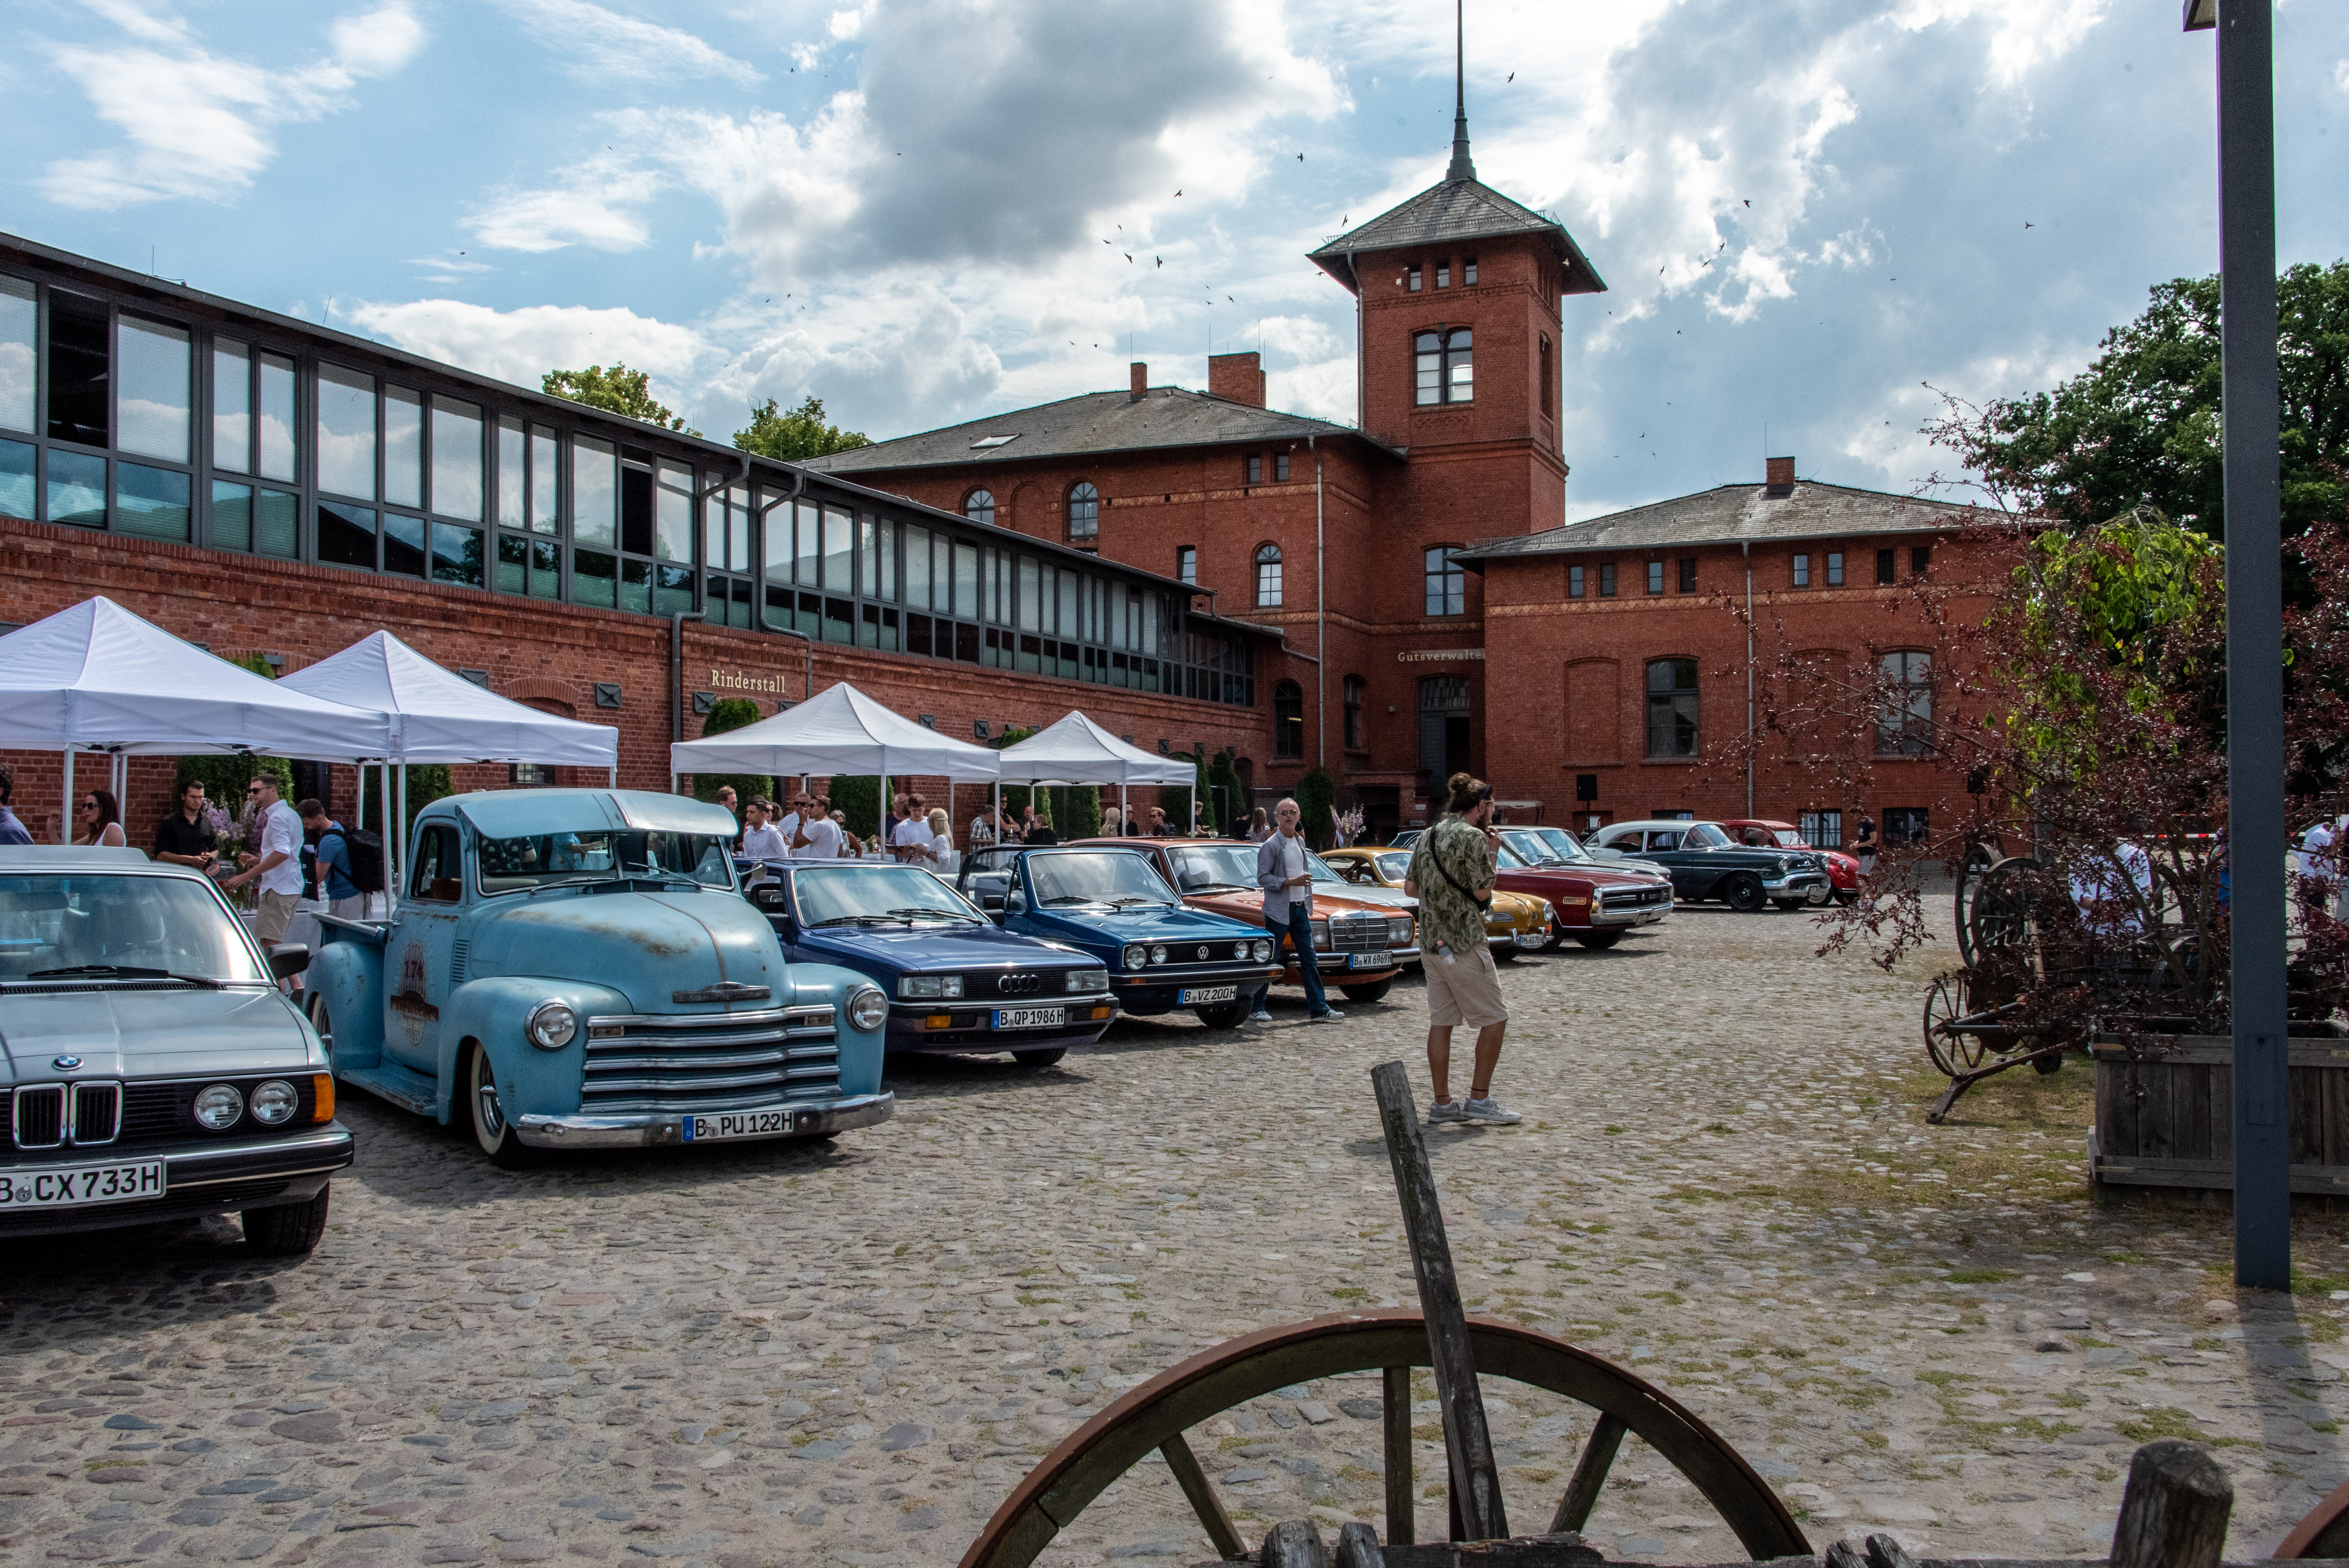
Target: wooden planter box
2165, 1115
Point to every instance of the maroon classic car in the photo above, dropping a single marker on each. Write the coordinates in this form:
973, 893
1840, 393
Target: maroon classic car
1596, 902
1843, 872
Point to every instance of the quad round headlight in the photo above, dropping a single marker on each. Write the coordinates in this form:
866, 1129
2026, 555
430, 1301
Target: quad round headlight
218, 1106
551, 1026
1263, 952
272, 1104
1158, 955
867, 1008
1135, 957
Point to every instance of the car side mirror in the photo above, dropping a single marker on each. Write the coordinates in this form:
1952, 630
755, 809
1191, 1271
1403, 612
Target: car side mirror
289, 959
1015, 903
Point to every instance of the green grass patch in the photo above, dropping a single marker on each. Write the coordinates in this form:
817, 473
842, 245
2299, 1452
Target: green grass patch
1978, 1276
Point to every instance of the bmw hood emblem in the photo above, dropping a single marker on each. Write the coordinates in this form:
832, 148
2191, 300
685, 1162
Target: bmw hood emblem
66, 1064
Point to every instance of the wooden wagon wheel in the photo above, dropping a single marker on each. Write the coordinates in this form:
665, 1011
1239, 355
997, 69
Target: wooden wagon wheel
1994, 910
1952, 1050
2323, 1532
1155, 1415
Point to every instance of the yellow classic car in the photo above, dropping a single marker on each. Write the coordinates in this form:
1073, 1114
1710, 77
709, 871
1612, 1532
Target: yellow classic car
1517, 922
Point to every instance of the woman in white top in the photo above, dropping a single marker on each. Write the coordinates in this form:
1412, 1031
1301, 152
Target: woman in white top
942, 850
100, 822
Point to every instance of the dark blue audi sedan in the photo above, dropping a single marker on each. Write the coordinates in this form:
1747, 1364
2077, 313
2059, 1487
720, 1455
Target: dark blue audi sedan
956, 981
1112, 903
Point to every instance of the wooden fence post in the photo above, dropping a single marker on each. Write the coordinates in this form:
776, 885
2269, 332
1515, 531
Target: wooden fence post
1467, 1443
2174, 1511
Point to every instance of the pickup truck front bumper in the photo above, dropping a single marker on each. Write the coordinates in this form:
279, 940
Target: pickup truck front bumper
811, 1119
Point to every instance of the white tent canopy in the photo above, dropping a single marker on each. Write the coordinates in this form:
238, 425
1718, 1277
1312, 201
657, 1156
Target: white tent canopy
438, 716
1076, 751
98, 677
839, 731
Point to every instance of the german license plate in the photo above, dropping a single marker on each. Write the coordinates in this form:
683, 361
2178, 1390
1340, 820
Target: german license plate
75, 1185
730, 1124
1198, 994
1381, 959
1030, 1018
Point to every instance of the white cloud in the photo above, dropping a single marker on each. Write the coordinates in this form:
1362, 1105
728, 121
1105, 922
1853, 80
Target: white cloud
521, 345
595, 205
2024, 34
198, 125
599, 44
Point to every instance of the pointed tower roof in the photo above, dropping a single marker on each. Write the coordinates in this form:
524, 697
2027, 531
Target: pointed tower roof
1447, 214
1462, 208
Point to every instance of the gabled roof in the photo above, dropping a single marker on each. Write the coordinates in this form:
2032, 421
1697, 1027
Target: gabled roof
1093, 422
1733, 514
1447, 214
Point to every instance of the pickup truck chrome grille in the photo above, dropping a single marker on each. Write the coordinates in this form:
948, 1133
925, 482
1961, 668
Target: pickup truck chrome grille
703, 1062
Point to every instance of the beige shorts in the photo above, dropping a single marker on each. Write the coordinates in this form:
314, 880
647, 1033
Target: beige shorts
275, 914
1466, 991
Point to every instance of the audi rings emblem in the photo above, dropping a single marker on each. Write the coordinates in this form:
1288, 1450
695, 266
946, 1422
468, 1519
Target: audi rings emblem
1019, 984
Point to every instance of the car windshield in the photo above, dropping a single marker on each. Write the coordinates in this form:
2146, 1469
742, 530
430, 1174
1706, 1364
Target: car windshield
1787, 837
550, 860
1394, 868
1211, 868
878, 895
1706, 836
1569, 847
1531, 847
103, 928
1321, 870
1508, 860
1095, 876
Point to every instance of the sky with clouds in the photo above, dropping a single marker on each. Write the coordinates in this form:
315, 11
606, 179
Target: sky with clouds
926, 211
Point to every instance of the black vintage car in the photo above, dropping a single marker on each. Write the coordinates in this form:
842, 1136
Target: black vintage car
1706, 861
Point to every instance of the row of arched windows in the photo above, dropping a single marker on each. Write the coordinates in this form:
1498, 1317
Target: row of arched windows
1085, 509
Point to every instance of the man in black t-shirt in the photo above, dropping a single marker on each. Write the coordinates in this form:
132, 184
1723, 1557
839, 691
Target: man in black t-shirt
184, 838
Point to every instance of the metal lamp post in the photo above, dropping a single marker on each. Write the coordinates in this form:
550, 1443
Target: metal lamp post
2256, 835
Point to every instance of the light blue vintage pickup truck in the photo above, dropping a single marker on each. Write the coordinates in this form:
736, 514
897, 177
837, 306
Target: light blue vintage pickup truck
578, 969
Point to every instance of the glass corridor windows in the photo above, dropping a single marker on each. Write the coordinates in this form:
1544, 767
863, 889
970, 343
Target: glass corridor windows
456, 458
152, 403
346, 440
20, 318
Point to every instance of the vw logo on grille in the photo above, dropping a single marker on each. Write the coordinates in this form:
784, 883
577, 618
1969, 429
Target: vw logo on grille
1202, 953
66, 1064
1019, 984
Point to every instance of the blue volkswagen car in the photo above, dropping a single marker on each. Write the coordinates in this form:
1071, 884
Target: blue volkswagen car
954, 981
1114, 904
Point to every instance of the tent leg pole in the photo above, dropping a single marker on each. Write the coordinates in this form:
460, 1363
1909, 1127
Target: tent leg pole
1124, 811
888, 849
66, 816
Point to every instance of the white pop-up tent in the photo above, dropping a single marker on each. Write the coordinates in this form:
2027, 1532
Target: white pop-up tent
96, 677
1076, 751
435, 716
839, 731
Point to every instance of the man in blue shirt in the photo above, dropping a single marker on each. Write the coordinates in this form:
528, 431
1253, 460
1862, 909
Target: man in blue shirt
343, 899
12, 832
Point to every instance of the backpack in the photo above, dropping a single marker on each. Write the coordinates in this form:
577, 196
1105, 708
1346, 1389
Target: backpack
365, 850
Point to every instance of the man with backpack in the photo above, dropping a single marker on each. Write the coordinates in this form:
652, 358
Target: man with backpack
1451, 875
338, 889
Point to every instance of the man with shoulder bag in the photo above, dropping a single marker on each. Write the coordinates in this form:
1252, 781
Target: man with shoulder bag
1451, 875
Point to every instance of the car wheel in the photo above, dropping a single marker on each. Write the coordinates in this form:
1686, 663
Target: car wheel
1507, 952
487, 1113
1226, 1015
1600, 941
1745, 894
287, 1231
320, 1021
1376, 991
1043, 1059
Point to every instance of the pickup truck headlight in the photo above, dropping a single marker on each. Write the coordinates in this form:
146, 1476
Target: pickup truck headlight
1263, 952
867, 1008
1135, 957
929, 986
1088, 979
551, 1026
1399, 931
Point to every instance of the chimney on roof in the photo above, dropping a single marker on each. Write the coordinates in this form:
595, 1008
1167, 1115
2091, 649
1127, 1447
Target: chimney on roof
1141, 379
1236, 377
1778, 476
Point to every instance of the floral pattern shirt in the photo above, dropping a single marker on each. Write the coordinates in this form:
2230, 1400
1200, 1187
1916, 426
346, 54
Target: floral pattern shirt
1449, 916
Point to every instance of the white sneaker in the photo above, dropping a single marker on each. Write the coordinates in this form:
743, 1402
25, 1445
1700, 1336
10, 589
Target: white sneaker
1446, 1110
1260, 1016
1326, 1016
1489, 1109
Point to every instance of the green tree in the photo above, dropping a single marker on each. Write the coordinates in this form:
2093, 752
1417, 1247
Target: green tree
2141, 427
1224, 795
858, 797
427, 783
731, 713
618, 390
1316, 796
795, 436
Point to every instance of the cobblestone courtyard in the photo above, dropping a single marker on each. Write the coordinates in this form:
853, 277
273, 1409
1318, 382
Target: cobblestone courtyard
773, 1355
